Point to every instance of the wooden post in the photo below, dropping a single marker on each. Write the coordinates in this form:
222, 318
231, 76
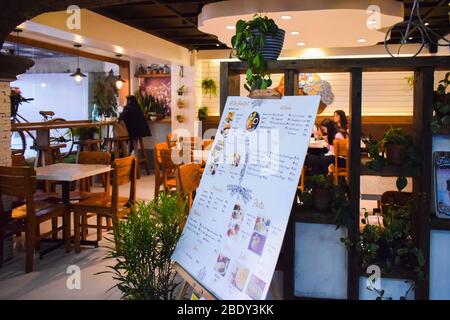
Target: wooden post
422, 115
354, 179
290, 82
229, 84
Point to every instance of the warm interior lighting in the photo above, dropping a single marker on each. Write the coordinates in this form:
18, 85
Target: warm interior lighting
361, 40
300, 43
231, 27
295, 33
119, 81
313, 53
78, 75
286, 17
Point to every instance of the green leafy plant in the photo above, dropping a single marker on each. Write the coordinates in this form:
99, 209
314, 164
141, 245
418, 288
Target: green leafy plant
336, 202
181, 90
149, 104
83, 133
143, 268
390, 244
106, 94
203, 113
410, 154
441, 119
209, 87
247, 42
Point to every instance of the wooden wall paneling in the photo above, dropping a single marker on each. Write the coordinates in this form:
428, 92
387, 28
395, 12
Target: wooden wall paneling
229, 84
354, 178
290, 83
423, 113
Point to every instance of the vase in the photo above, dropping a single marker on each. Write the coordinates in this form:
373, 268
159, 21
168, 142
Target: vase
395, 153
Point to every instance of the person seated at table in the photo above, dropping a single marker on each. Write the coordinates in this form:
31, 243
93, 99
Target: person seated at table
134, 119
329, 132
340, 119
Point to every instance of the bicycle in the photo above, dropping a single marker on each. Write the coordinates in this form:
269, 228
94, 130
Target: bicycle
18, 138
406, 30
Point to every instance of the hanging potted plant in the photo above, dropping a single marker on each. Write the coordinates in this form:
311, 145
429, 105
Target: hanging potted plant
209, 87
181, 90
180, 118
395, 143
255, 42
180, 103
203, 113
441, 119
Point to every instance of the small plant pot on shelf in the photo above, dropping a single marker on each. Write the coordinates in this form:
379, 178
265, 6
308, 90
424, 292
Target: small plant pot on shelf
395, 153
180, 104
180, 119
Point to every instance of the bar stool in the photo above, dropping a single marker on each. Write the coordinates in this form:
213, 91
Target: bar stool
48, 154
137, 144
117, 146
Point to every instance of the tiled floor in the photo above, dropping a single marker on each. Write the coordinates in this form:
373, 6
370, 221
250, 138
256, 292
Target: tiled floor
49, 278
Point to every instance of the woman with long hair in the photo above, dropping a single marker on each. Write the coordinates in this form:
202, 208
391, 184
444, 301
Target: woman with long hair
340, 119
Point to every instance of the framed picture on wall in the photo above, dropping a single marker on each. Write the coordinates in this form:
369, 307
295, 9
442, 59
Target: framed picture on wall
442, 183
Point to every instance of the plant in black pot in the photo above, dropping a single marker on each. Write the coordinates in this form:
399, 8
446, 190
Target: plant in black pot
322, 191
441, 119
395, 143
255, 42
203, 113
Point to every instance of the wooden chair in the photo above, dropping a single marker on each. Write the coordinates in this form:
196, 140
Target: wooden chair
340, 147
158, 165
93, 157
48, 154
111, 206
169, 169
188, 179
191, 143
207, 144
21, 182
171, 140
88, 145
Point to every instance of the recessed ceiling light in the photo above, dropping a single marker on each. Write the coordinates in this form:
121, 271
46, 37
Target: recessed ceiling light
217, 45
371, 22
286, 17
427, 23
300, 43
410, 38
231, 27
362, 40
295, 33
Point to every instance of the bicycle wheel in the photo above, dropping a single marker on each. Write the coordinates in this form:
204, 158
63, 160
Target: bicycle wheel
401, 34
18, 142
62, 136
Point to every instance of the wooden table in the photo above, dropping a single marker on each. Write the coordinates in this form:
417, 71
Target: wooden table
69, 172
43, 128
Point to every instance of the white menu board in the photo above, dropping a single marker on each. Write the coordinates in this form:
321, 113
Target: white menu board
235, 229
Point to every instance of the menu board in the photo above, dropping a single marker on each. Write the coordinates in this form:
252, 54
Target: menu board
235, 229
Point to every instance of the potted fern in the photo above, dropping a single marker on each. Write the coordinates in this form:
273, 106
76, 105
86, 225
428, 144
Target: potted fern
203, 113
255, 42
144, 244
209, 87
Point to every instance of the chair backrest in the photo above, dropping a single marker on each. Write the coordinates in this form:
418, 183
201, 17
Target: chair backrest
18, 160
171, 140
340, 147
188, 179
190, 143
168, 167
124, 171
18, 182
207, 144
157, 148
95, 157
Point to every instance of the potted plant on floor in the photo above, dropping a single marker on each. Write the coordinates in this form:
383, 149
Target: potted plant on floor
255, 42
203, 113
143, 248
441, 119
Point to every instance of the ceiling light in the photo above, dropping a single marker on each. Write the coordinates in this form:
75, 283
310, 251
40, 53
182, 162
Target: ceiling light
217, 45
410, 38
362, 40
286, 17
427, 23
231, 27
295, 33
300, 43
119, 81
78, 75
370, 22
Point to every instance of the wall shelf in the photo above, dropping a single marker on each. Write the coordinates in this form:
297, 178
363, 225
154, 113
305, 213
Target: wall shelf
155, 75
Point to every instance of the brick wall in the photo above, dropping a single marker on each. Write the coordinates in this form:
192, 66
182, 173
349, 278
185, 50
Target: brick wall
5, 125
